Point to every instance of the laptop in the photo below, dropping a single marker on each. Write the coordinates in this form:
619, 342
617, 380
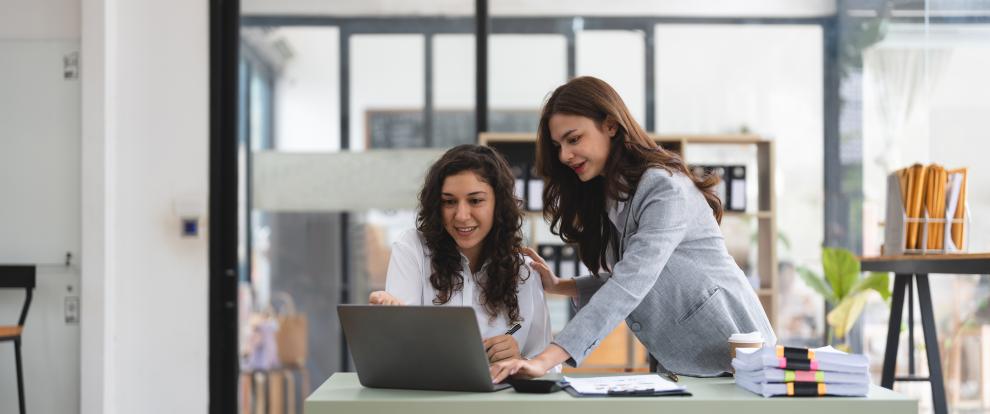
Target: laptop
417, 347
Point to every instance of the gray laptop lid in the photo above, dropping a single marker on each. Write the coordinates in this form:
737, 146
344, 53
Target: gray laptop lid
416, 347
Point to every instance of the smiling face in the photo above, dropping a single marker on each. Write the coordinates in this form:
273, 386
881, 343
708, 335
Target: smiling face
581, 144
468, 211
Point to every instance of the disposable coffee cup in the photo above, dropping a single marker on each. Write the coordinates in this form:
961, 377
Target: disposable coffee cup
744, 340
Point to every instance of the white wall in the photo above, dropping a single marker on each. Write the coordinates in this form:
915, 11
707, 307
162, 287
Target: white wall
617, 57
307, 97
947, 123
386, 73
718, 79
145, 143
39, 189
39, 19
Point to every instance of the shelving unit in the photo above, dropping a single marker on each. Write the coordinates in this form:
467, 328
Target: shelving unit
620, 351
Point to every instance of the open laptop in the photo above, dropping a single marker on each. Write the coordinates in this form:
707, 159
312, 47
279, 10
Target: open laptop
417, 347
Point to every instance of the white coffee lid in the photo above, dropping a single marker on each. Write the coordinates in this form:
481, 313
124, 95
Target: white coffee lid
752, 337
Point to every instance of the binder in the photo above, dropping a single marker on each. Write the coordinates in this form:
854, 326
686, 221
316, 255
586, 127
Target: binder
551, 254
520, 185
568, 262
731, 187
925, 211
959, 194
737, 188
674, 393
534, 190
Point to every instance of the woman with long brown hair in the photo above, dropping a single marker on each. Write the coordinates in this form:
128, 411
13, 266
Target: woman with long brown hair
649, 231
465, 252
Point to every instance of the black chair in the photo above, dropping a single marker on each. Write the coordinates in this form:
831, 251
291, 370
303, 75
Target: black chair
17, 277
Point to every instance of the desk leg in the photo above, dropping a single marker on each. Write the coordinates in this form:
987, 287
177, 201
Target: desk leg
894, 331
910, 324
931, 346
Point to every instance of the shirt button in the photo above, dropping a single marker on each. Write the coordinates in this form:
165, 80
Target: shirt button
635, 326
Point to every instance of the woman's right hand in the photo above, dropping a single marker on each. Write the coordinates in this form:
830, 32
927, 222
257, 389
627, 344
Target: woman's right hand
381, 297
550, 281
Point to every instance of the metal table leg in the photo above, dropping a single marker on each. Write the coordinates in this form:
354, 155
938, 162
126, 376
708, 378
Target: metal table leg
894, 331
931, 345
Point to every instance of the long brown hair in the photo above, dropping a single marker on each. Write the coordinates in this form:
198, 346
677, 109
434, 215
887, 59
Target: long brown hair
576, 210
500, 287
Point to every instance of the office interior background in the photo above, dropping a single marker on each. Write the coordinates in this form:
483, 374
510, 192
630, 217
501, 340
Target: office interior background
105, 128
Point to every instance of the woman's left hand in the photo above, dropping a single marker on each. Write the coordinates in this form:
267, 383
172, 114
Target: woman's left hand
381, 297
519, 368
502, 347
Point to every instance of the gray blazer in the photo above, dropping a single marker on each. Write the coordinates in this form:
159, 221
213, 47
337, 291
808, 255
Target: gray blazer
674, 283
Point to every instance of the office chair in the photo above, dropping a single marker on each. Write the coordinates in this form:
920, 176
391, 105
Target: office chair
17, 277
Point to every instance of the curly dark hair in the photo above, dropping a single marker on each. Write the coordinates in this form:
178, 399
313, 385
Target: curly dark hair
500, 286
576, 210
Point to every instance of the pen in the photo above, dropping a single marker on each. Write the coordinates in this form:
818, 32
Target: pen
671, 376
513, 329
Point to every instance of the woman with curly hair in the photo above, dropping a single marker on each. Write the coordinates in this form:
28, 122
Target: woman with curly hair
649, 231
465, 252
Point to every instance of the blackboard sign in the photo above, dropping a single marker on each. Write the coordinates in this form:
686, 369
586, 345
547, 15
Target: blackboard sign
406, 129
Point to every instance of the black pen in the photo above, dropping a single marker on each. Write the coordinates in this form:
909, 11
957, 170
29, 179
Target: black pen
672, 376
513, 329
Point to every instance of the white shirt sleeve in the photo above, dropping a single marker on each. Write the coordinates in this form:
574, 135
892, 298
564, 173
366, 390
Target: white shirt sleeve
539, 335
404, 278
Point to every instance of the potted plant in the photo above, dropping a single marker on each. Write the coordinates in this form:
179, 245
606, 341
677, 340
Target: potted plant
845, 290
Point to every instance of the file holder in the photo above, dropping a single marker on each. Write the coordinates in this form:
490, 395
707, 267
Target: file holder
897, 223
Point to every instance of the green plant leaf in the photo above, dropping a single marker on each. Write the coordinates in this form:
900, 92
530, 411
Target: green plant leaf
817, 284
878, 281
844, 316
841, 270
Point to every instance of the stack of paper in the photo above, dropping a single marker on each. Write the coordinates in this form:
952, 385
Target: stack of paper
932, 192
784, 371
649, 384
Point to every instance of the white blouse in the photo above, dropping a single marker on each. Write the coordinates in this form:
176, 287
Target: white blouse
408, 279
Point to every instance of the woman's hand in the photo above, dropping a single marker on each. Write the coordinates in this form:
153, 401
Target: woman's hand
529, 368
519, 368
550, 280
502, 347
551, 283
381, 297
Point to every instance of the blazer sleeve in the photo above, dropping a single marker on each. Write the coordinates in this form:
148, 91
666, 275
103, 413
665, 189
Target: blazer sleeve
404, 278
659, 209
587, 286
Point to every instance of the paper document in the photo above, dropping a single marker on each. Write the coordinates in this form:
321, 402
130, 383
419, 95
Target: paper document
624, 383
955, 185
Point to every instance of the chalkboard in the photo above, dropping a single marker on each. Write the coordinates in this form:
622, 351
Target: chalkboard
395, 129
405, 128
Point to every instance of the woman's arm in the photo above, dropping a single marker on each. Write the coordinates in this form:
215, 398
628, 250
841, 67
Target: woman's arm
660, 210
529, 368
404, 278
551, 283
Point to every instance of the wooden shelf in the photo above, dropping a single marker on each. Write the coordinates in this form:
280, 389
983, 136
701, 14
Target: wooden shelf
485, 137
740, 139
749, 214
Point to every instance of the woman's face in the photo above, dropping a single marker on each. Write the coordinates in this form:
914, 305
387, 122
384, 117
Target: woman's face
582, 145
468, 210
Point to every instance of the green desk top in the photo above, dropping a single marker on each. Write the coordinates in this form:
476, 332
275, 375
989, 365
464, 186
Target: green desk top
343, 394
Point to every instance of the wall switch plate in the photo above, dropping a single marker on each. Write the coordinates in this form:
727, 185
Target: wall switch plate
72, 309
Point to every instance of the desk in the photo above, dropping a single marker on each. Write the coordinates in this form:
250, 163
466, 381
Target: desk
342, 394
907, 269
